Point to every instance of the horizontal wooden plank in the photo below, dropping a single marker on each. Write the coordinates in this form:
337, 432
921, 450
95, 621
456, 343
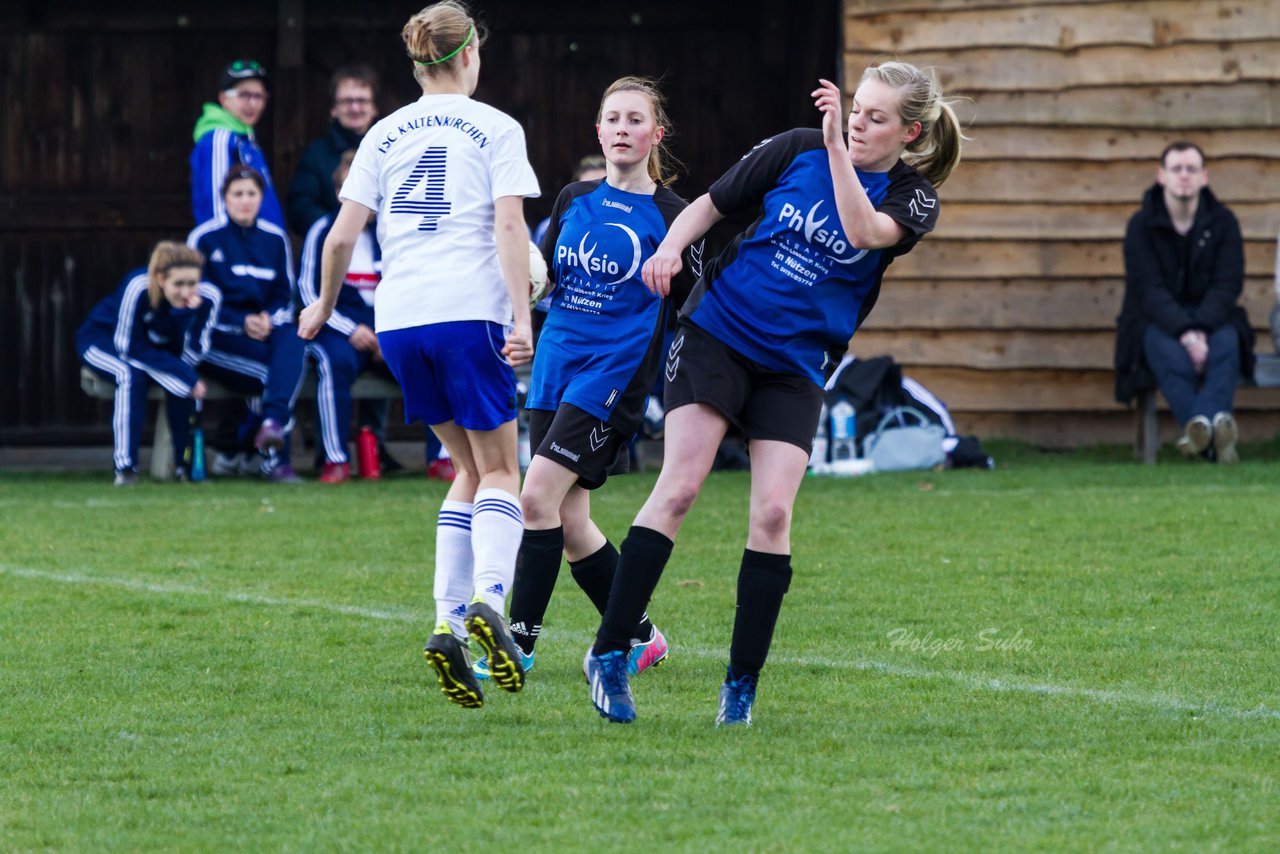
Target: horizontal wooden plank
940, 257
969, 390
1021, 69
1110, 143
1152, 23
1031, 221
1233, 179
861, 8
991, 350
994, 304
1241, 105
1003, 350
1082, 429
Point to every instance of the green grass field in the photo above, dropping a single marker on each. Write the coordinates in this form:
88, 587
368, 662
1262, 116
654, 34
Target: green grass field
1072, 652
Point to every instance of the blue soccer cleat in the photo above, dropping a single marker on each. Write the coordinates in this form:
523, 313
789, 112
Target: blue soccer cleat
607, 677
736, 696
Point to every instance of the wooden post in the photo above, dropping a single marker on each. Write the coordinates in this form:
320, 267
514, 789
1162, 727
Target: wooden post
1148, 428
162, 462
290, 121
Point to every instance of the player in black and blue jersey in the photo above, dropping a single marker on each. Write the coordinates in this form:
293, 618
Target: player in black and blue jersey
756, 335
598, 354
156, 328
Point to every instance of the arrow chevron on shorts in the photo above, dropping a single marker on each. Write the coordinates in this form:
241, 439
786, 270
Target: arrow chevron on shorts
673, 358
599, 435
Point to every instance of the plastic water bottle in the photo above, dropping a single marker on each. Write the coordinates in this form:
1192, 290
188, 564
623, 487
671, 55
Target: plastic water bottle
818, 458
196, 472
367, 455
844, 434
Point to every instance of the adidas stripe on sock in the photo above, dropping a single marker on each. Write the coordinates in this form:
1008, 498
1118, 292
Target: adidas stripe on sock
497, 526
453, 581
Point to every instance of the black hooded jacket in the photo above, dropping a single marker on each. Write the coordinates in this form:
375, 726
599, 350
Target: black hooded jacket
311, 195
1178, 283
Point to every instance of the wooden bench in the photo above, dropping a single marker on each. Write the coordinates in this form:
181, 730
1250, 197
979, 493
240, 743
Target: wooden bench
368, 386
1266, 374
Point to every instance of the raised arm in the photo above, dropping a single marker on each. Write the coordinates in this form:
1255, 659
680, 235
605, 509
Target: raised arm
864, 226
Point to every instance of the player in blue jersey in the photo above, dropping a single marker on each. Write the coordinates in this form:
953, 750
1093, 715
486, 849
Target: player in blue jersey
755, 337
598, 354
154, 328
255, 348
447, 177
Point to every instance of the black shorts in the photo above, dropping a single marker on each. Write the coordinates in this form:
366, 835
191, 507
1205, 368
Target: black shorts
581, 443
762, 403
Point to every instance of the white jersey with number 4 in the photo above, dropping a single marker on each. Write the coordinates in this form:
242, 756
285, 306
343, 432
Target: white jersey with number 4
432, 171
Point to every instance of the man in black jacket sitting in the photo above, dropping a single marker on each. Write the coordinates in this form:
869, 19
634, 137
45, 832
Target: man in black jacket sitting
1184, 271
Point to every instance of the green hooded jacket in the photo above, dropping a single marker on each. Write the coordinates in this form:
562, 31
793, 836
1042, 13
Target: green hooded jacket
214, 118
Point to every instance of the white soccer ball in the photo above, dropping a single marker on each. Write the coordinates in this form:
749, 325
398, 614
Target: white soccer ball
538, 278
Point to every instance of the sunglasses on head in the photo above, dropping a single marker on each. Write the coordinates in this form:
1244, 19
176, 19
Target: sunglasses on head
244, 68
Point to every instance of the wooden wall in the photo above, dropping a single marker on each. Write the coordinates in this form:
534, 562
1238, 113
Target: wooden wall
1008, 310
100, 100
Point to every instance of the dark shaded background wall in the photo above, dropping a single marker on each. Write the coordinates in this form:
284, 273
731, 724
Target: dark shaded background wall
100, 99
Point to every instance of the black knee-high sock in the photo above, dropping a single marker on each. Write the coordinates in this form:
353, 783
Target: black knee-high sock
594, 574
762, 582
644, 555
537, 567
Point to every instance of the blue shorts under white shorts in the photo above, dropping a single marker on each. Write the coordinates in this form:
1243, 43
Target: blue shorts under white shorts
452, 371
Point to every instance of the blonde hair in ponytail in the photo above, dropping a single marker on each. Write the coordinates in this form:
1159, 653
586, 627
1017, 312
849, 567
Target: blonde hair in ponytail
935, 152
662, 163
435, 36
167, 255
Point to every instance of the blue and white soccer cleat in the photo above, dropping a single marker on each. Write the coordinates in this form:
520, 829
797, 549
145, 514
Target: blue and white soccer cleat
481, 667
607, 678
736, 696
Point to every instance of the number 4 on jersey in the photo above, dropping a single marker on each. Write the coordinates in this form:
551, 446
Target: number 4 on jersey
428, 174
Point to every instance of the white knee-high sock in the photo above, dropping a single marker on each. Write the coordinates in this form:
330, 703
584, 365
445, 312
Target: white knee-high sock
497, 526
454, 565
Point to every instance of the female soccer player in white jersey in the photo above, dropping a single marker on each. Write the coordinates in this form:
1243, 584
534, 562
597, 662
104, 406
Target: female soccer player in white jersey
755, 336
447, 176
599, 353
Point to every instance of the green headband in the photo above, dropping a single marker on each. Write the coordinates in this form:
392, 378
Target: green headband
465, 42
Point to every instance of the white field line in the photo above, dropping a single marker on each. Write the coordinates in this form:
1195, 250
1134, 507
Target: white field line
167, 589
422, 618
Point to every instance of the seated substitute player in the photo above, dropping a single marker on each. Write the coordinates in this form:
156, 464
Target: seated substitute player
255, 349
346, 344
154, 328
756, 335
599, 352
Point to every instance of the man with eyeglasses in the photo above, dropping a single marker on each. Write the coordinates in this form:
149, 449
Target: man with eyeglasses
224, 137
1181, 323
353, 90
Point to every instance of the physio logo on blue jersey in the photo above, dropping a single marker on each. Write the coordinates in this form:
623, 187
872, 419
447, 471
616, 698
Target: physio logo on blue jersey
610, 257
808, 224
